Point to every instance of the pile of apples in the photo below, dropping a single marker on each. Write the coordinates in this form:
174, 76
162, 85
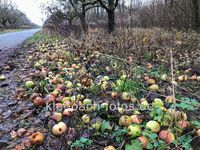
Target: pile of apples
69, 82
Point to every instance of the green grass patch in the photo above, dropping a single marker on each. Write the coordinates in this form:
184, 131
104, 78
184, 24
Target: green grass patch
10, 30
41, 37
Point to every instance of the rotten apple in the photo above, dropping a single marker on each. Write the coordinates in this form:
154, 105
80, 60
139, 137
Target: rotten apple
125, 121
59, 128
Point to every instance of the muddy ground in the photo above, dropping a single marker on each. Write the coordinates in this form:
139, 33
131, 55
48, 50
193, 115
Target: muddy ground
14, 114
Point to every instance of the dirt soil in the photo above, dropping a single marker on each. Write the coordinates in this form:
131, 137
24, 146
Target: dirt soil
14, 113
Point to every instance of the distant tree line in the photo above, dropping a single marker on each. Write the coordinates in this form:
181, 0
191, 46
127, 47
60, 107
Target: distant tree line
11, 17
169, 14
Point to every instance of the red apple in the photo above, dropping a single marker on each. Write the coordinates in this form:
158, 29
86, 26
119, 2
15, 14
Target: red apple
56, 116
68, 112
38, 101
136, 119
183, 124
167, 136
144, 141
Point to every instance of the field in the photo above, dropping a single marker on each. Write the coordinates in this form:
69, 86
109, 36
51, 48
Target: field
136, 89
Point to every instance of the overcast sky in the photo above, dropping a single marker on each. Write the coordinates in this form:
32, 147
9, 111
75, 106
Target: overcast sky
32, 8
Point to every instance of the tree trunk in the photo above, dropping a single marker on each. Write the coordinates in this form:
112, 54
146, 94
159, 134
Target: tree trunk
196, 19
83, 19
83, 23
111, 20
4, 23
70, 24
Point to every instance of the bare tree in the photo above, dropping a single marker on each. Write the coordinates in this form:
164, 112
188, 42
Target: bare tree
110, 6
80, 8
10, 16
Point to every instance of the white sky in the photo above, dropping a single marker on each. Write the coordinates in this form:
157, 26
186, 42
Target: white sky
33, 10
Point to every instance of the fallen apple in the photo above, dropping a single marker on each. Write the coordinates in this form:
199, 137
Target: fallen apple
97, 125
125, 121
87, 101
198, 78
133, 99
56, 116
163, 77
136, 119
134, 131
144, 105
64, 99
149, 66
198, 132
142, 100
167, 136
154, 88
67, 104
80, 97
56, 92
36, 138
86, 82
109, 148
144, 141
68, 112
37, 65
29, 84
49, 98
170, 99
183, 78
114, 95
194, 77
183, 124
85, 118
2, 77
60, 87
74, 99
38, 101
146, 78
104, 85
157, 102
125, 96
151, 81
69, 85
59, 128
33, 96
105, 78
153, 126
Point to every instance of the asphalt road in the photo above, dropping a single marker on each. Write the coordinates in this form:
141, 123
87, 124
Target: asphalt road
10, 41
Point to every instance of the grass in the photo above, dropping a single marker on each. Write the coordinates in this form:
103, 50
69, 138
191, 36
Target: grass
10, 30
40, 37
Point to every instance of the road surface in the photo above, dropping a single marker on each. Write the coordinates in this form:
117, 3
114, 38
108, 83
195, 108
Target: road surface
10, 41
